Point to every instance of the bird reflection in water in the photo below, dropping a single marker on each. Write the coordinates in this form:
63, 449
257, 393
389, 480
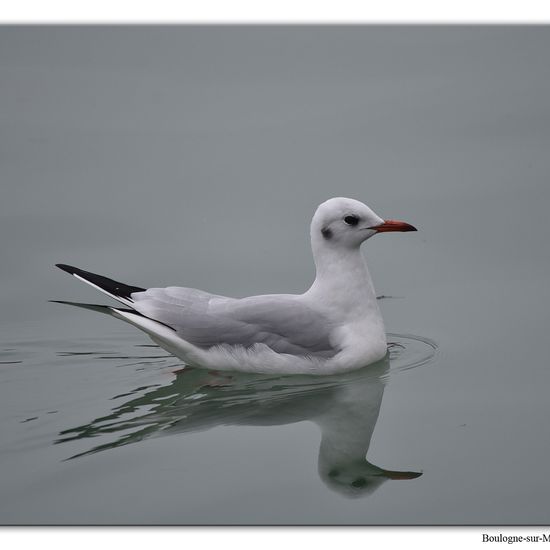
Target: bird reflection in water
345, 408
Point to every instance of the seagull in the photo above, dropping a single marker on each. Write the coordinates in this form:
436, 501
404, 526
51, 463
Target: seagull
333, 327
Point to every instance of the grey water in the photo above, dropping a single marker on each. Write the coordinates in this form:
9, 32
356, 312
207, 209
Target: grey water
196, 156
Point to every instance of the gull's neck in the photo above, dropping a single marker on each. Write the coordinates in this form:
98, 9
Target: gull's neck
348, 426
342, 279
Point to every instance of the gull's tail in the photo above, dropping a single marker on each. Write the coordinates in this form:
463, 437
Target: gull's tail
114, 289
120, 292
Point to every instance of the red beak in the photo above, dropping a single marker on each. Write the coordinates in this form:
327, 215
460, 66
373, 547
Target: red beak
393, 225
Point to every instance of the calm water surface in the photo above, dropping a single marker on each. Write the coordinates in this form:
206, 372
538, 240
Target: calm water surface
196, 157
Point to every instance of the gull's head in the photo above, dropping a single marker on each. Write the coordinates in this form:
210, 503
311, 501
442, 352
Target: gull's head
347, 223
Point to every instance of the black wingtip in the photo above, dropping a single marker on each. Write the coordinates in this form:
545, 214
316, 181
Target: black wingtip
93, 307
65, 303
113, 288
68, 268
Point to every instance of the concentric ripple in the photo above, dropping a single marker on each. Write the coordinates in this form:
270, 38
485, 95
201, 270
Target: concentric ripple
408, 351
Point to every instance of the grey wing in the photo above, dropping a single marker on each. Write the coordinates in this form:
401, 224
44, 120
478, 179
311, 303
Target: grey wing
281, 322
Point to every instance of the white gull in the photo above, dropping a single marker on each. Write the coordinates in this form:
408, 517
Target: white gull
335, 326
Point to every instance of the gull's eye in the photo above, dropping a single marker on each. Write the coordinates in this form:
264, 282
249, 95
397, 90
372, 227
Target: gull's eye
351, 220
359, 482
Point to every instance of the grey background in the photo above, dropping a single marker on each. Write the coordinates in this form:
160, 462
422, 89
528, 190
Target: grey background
196, 156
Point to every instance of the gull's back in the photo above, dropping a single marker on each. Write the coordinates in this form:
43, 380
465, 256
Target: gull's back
280, 321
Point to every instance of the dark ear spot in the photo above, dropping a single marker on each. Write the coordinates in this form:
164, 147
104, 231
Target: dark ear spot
327, 233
